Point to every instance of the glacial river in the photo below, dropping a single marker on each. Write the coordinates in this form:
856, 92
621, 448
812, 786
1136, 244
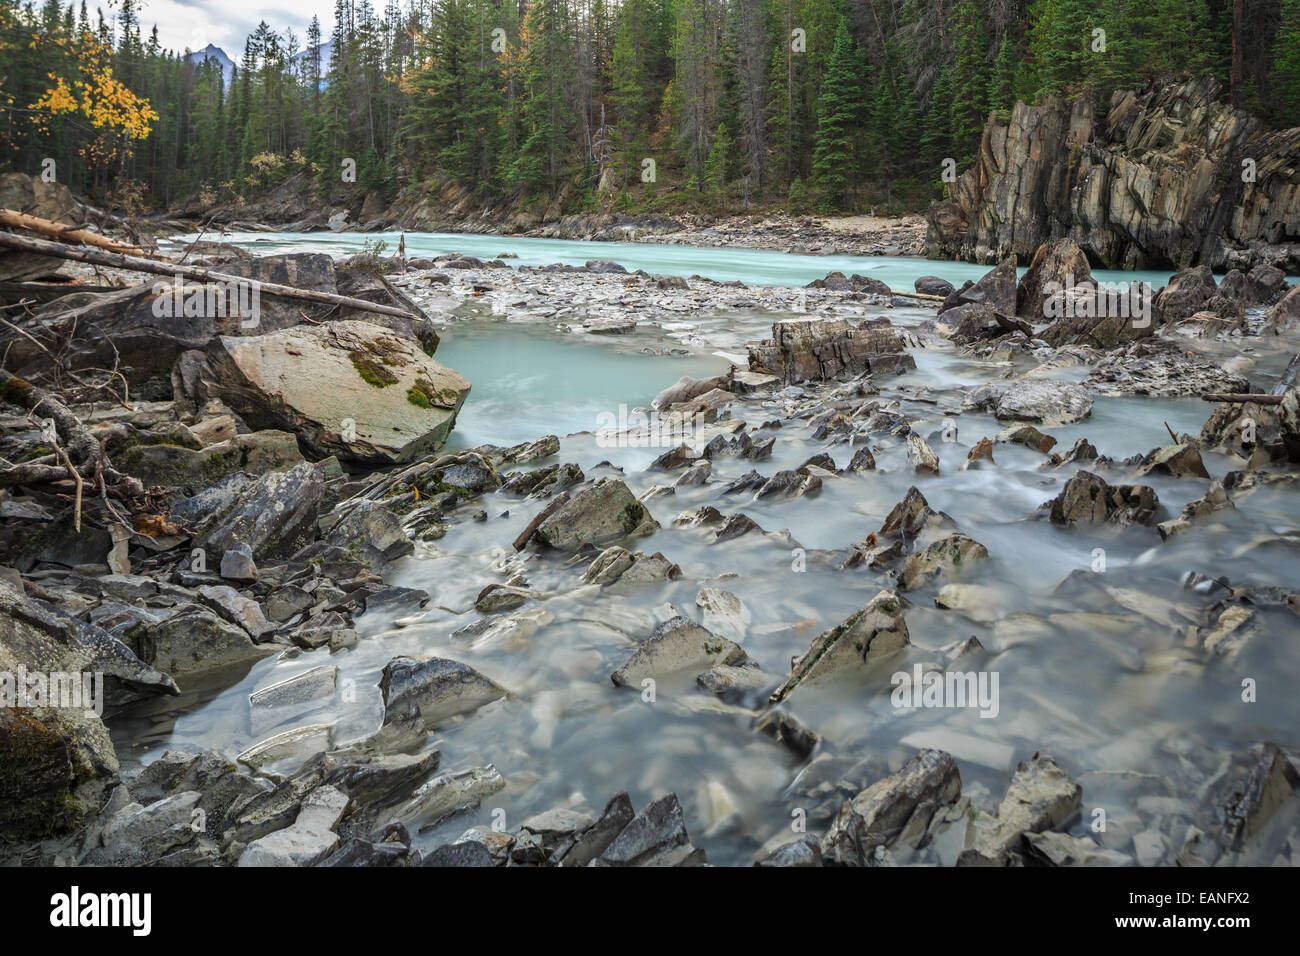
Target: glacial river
1101, 672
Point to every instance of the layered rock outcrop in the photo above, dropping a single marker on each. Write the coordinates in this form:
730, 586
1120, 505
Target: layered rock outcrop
1168, 177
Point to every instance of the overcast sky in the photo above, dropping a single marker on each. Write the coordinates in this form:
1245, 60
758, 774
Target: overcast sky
194, 24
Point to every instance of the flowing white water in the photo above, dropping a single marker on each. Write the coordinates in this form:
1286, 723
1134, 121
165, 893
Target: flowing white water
1100, 674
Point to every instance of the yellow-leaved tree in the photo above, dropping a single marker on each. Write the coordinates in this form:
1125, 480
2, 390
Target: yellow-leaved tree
87, 90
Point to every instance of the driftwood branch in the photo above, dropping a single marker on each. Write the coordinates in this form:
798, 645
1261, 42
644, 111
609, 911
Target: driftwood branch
81, 453
61, 233
118, 260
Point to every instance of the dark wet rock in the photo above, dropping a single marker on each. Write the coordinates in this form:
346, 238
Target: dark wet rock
605, 267
785, 485
599, 513
367, 853
501, 597
933, 285
801, 853
543, 482
56, 764
744, 684
1081, 452
862, 460
595, 839
995, 289
237, 564
1213, 501
875, 632
920, 456
396, 600
370, 529
910, 517
673, 459
803, 350
1178, 461
1259, 433
1258, 788
1040, 797
885, 811
1089, 499
546, 837
1263, 285
675, 645
196, 640
1027, 435
619, 564
1284, 317
308, 840
274, 515
1186, 294
949, 556
458, 854
687, 389
284, 603
655, 837
522, 454
788, 731
433, 690
1061, 849
237, 609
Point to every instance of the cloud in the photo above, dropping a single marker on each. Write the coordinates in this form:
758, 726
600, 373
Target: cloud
193, 24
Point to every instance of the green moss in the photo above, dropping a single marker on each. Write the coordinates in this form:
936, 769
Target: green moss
418, 398
372, 372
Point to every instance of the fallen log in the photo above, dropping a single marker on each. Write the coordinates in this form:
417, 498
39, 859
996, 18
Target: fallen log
117, 260
61, 233
918, 295
1242, 398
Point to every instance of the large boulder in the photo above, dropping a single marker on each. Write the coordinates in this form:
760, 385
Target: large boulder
995, 289
351, 389
1056, 267
1186, 294
802, 350
1044, 402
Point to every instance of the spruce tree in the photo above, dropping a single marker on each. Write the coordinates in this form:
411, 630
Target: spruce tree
840, 111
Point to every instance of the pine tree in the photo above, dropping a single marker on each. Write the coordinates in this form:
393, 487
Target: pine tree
840, 111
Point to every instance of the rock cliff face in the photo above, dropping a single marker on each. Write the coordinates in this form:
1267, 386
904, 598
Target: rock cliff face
1166, 178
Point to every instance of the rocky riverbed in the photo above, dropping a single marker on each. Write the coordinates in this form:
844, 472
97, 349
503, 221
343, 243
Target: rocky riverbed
944, 581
